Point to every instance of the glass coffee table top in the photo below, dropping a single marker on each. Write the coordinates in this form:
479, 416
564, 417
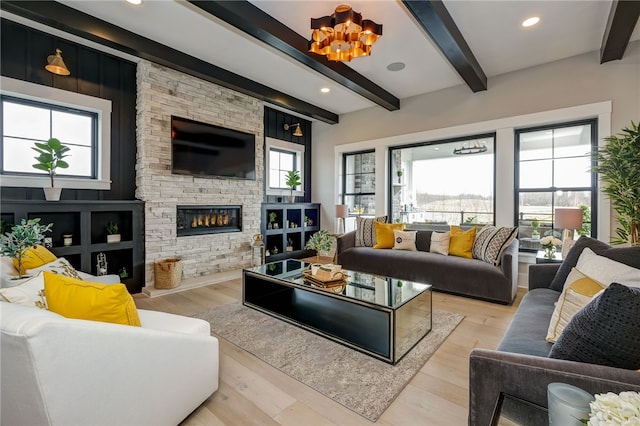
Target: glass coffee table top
384, 291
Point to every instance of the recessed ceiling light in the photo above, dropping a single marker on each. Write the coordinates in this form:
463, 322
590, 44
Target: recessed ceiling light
325, 90
437, 148
529, 22
396, 66
136, 2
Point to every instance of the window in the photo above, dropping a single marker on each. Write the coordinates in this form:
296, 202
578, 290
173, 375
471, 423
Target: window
31, 112
25, 122
282, 157
554, 170
359, 182
443, 182
280, 162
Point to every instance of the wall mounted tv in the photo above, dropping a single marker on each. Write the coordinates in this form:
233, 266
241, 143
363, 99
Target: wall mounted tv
205, 150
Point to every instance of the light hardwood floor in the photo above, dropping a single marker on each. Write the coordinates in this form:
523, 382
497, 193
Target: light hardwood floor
252, 392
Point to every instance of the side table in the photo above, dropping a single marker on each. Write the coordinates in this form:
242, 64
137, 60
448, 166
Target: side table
541, 258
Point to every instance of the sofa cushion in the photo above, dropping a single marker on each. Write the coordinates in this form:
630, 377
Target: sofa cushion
35, 256
28, 292
606, 271
571, 260
384, 234
365, 233
578, 291
461, 242
86, 300
59, 266
440, 242
491, 242
605, 332
404, 240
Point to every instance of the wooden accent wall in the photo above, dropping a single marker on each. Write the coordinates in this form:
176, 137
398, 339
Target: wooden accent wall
93, 73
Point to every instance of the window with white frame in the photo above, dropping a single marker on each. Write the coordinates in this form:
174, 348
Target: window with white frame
32, 113
282, 157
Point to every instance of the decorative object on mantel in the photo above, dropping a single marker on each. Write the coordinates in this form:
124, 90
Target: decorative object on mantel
344, 35
50, 157
549, 244
168, 273
56, 65
112, 233
320, 242
257, 251
475, 148
21, 238
297, 132
293, 180
617, 164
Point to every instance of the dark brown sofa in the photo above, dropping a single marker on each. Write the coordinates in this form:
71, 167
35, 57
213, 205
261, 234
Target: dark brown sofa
466, 277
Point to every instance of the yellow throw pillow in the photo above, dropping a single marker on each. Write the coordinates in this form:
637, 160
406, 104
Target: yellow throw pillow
461, 242
579, 290
34, 257
86, 300
384, 234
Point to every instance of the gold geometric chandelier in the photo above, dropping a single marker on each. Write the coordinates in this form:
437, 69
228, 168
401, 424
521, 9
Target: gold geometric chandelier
344, 35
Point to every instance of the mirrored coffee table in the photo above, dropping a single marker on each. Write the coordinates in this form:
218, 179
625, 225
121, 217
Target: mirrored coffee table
381, 316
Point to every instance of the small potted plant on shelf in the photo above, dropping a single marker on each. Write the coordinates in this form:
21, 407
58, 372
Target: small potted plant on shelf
535, 234
289, 245
399, 173
112, 233
272, 221
50, 157
320, 241
22, 237
293, 180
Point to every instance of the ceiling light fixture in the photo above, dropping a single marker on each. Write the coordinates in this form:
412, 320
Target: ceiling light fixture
344, 35
297, 131
325, 90
136, 2
465, 148
56, 65
530, 21
396, 66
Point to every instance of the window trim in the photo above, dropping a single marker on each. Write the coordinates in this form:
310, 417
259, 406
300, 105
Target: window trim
280, 145
50, 95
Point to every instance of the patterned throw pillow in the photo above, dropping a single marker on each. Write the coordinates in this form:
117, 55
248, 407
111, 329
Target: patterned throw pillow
60, 266
491, 242
404, 240
365, 233
604, 332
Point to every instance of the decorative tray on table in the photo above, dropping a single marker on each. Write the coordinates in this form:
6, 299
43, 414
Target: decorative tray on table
320, 280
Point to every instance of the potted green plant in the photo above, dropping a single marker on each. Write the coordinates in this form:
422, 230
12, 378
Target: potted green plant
113, 236
399, 173
49, 159
21, 237
617, 164
535, 234
272, 221
289, 246
293, 180
320, 241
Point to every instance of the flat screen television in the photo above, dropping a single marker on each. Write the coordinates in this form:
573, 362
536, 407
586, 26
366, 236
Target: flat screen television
206, 150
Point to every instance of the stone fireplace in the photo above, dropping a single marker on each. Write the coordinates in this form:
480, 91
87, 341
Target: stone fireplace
220, 246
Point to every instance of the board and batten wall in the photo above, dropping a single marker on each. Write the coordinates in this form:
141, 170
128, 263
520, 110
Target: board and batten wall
564, 90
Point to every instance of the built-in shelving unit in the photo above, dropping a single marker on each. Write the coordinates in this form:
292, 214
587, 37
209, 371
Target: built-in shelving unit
291, 225
86, 221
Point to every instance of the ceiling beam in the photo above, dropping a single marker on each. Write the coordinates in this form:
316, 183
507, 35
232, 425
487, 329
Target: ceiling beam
67, 19
255, 22
435, 19
623, 18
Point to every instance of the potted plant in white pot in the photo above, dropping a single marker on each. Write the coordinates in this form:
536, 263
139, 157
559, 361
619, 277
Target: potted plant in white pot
21, 237
50, 157
293, 180
113, 236
320, 241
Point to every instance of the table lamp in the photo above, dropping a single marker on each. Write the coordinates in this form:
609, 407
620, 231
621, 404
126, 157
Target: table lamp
342, 211
568, 219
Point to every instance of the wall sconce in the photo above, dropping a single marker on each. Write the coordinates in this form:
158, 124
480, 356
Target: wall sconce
297, 131
56, 65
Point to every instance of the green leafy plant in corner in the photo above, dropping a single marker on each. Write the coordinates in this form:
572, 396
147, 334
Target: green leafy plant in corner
21, 237
50, 157
112, 228
617, 164
320, 242
293, 180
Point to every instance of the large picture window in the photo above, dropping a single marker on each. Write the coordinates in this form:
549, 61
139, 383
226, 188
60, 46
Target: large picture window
25, 122
554, 170
443, 182
359, 182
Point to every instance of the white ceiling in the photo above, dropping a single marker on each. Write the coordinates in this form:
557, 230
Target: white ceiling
491, 28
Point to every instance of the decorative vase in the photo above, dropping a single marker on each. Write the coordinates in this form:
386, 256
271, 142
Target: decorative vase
113, 238
292, 199
52, 193
550, 252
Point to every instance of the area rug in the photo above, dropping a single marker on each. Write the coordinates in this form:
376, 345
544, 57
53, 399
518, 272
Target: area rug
361, 383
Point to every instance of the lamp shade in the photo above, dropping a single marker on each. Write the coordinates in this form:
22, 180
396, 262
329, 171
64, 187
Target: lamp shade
342, 210
568, 218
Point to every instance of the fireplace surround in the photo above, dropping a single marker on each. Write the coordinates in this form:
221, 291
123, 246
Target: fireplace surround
200, 220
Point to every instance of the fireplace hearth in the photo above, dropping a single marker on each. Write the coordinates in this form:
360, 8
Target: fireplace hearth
201, 220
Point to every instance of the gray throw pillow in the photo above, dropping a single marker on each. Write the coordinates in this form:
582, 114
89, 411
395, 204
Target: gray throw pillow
605, 332
571, 259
